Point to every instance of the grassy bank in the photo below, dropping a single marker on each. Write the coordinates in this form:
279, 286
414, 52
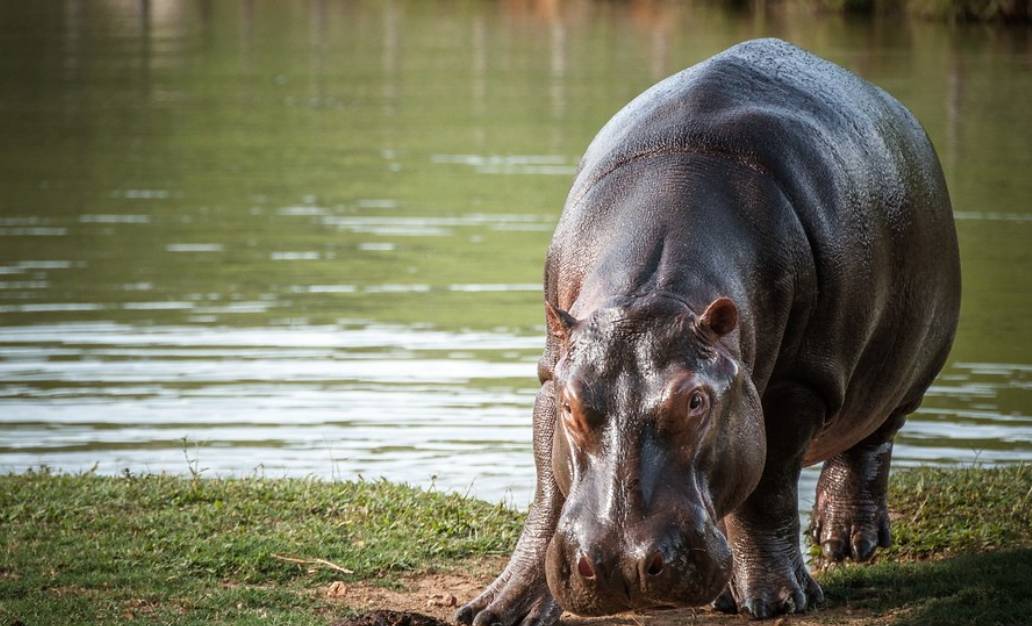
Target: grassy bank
159, 549
961, 554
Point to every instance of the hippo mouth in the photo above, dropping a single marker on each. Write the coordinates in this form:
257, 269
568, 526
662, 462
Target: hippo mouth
681, 570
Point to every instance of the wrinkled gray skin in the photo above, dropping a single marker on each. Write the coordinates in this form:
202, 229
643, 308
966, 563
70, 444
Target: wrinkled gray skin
756, 270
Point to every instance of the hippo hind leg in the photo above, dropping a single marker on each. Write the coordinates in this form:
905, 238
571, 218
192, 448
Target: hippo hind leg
851, 516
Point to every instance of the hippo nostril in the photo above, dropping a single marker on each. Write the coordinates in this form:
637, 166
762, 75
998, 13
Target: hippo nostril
584, 567
655, 565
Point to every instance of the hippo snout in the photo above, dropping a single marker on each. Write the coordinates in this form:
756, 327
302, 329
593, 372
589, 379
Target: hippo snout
609, 572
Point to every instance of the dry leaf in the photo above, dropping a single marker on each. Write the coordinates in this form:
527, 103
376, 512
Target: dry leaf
442, 599
336, 589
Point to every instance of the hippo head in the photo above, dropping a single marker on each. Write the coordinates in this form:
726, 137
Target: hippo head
659, 435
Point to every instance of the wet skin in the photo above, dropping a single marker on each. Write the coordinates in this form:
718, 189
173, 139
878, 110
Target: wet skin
756, 269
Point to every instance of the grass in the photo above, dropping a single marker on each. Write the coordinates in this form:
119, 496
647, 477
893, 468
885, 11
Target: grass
961, 553
984, 589
939, 512
158, 549
87, 549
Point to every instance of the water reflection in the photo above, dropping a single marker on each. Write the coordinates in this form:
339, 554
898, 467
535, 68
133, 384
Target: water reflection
307, 238
357, 399
365, 398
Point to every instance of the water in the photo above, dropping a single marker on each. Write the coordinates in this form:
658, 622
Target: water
307, 238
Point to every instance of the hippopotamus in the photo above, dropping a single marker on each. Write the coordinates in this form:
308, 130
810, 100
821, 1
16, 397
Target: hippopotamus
756, 270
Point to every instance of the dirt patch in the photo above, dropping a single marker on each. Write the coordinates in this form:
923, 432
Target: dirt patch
437, 594
391, 618
430, 595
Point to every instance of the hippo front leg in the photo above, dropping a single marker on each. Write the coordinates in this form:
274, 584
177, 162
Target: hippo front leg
851, 515
520, 594
769, 575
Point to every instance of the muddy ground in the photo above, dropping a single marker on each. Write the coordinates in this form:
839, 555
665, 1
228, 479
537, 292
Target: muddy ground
438, 594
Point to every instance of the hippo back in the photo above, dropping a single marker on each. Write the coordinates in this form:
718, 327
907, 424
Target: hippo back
864, 183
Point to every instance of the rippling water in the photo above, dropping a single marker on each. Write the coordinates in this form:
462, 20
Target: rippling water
306, 239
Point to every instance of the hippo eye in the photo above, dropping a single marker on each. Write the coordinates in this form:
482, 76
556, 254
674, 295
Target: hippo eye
696, 402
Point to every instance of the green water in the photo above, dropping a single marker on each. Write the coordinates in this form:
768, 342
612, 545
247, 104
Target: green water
308, 236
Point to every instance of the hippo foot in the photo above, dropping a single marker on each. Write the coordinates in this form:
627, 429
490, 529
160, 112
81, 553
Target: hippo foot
850, 518
518, 598
849, 529
764, 592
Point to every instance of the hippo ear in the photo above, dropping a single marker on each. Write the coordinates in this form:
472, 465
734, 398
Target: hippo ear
560, 323
720, 317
